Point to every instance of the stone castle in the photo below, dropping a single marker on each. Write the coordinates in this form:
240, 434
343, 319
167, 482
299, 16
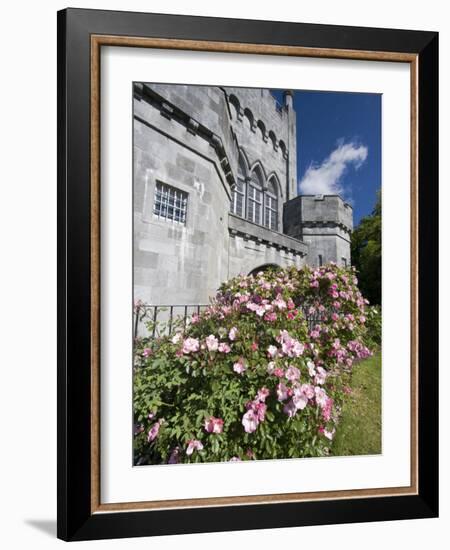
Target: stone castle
215, 192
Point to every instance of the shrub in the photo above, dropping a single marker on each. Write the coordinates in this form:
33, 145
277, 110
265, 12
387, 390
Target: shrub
251, 377
372, 337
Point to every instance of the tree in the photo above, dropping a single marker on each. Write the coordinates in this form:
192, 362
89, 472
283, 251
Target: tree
366, 253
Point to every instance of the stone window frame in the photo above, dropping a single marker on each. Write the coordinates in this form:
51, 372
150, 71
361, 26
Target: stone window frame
175, 199
272, 205
255, 198
263, 185
149, 200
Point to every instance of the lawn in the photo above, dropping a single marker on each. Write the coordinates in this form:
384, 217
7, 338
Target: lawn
359, 431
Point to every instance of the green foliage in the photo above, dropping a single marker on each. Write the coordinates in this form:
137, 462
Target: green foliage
366, 253
248, 378
372, 338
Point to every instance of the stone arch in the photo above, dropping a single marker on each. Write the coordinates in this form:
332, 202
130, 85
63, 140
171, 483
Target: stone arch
249, 116
283, 148
273, 176
236, 106
243, 159
273, 139
255, 194
259, 168
263, 267
262, 127
239, 197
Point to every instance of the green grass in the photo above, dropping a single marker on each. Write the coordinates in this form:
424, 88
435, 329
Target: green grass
359, 431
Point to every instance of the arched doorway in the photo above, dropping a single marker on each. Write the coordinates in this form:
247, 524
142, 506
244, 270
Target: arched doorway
264, 267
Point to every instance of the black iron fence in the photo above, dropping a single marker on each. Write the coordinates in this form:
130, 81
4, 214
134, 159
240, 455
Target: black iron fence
161, 320
150, 320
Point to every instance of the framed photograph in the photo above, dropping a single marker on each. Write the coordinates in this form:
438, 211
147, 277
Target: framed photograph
247, 254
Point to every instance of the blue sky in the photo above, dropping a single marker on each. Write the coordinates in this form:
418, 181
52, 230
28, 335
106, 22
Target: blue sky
339, 145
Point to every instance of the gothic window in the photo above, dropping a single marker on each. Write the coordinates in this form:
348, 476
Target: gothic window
238, 200
320, 260
170, 204
271, 206
255, 198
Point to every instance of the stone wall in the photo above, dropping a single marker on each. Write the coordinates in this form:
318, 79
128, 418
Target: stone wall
175, 263
324, 223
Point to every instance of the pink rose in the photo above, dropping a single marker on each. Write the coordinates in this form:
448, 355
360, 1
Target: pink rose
153, 432
190, 345
214, 425
224, 348
233, 333
212, 342
292, 373
240, 366
193, 445
250, 421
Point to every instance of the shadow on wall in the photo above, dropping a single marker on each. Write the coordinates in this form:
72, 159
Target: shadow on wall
263, 267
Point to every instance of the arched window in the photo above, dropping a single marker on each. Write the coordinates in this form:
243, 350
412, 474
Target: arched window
255, 197
238, 200
271, 205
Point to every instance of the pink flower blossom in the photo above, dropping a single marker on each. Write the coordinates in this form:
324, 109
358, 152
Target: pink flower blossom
311, 368
233, 333
147, 352
254, 346
271, 316
271, 367
329, 434
326, 409
278, 372
176, 338
290, 409
193, 445
299, 399
250, 421
214, 425
212, 343
321, 376
290, 346
190, 345
308, 390
235, 459
282, 392
292, 373
239, 366
224, 347
272, 351
279, 303
321, 396
153, 432
262, 394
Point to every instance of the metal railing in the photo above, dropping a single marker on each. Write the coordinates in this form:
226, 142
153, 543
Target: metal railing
160, 320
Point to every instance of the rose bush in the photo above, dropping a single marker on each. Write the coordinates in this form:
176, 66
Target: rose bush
260, 374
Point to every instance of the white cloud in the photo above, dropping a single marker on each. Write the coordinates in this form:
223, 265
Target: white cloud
326, 178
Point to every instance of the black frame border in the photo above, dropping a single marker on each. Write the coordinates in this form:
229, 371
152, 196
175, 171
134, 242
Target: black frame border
75, 521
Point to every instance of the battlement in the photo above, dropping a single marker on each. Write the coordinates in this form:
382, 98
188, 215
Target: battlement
317, 211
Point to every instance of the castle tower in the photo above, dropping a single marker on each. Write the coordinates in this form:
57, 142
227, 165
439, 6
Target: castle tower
324, 223
291, 168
